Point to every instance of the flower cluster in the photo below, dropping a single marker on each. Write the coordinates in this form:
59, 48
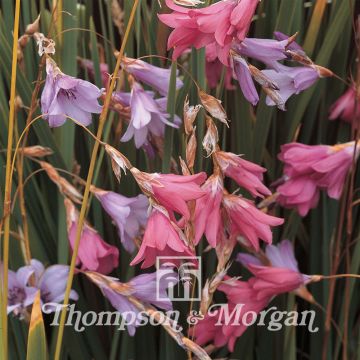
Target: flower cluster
24, 284
279, 275
311, 168
176, 210
222, 28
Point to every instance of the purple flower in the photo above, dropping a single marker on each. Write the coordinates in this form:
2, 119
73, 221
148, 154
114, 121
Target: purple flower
156, 77
64, 95
267, 51
243, 75
143, 288
147, 115
51, 282
294, 46
128, 214
280, 256
20, 294
291, 80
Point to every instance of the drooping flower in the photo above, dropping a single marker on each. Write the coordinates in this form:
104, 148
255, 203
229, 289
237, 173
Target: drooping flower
52, 283
171, 191
215, 328
280, 275
291, 80
300, 192
310, 168
207, 211
216, 24
249, 222
267, 51
128, 214
293, 45
154, 76
245, 173
148, 116
20, 293
346, 107
94, 253
246, 298
64, 95
28, 280
141, 288
162, 238
244, 77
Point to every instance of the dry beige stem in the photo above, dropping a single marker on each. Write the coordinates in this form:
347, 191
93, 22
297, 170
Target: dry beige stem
36, 151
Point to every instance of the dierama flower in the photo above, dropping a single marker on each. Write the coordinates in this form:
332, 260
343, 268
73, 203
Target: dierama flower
281, 275
162, 238
346, 107
300, 192
29, 279
291, 80
20, 293
214, 328
245, 173
94, 253
128, 214
64, 95
249, 222
171, 191
147, 116
154, 76
216, 24
141, 288
267, 51
307, 166
207, 211
52, 283
293, 45
244, 77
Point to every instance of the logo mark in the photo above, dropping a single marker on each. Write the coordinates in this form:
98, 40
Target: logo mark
183, 276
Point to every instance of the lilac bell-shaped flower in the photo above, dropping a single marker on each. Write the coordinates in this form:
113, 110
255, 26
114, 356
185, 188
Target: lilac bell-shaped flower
143, 288
64, 95
128, 214
20, 294
147, 115
154, 76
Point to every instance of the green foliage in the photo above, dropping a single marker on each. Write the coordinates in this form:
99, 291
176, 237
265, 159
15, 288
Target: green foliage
258, 135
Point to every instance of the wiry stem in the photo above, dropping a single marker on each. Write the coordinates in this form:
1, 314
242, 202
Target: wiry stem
8, 180
88, 182
25, 227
